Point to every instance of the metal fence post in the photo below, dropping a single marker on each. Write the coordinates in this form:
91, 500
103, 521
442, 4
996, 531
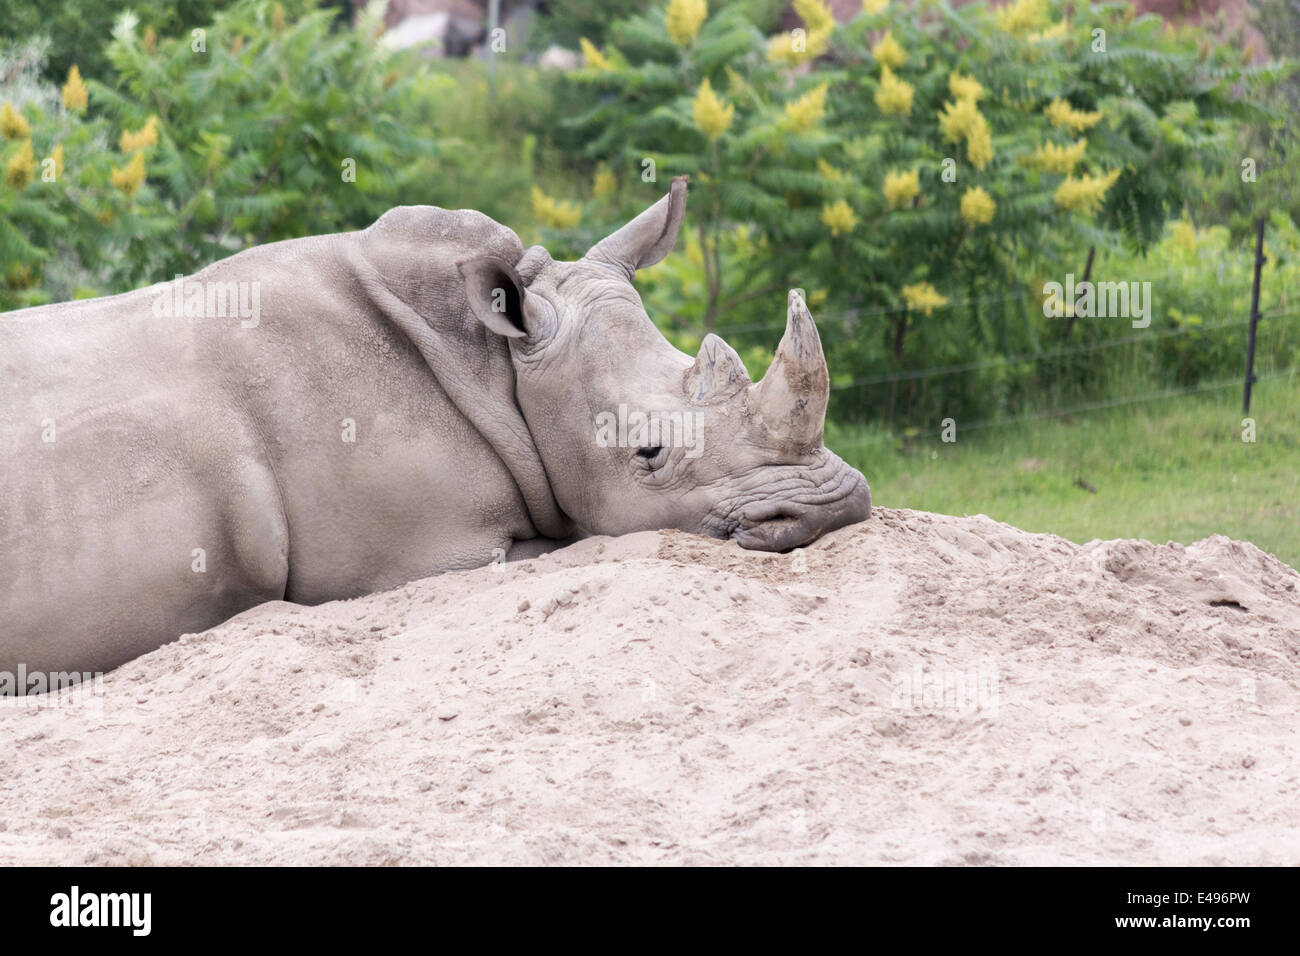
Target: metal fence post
1254, 314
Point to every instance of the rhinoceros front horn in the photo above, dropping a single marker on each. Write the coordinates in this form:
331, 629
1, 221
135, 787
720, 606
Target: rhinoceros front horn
790, 401
647, 238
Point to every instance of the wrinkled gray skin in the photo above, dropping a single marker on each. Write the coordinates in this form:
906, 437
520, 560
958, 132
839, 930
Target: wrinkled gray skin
473, 371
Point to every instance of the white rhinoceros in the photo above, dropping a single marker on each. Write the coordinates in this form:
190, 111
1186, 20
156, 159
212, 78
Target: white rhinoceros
330, 416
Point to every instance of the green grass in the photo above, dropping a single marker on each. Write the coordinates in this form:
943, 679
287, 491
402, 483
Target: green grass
1172, 469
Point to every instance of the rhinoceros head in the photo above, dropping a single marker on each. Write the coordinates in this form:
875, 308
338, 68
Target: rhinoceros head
636, 435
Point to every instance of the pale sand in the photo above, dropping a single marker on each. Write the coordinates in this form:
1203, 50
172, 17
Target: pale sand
663, 698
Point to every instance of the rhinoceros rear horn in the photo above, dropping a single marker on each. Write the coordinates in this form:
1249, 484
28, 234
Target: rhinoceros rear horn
718, 371
790, 401
647, 238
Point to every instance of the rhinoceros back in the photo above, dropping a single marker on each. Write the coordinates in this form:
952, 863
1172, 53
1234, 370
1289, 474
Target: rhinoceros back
161, 471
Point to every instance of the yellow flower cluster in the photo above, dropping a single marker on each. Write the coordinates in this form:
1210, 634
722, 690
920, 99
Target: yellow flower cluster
923, 297
1064, 116
894, 96
146, 135
684, 19
592, 57
75, 95
872, 7
838, 217
963, 120
555, 213
1021, 16
1084, 192
1057, 159
604, 184
819, 24
130, 179
964, 87
712, 117
829, 171
1051, 33
736, 84
816, 15
977, 207
802, 114
21, 167
957, 119
979, 147
1183, 233
901, 188
56, 154
12, 123
888, 51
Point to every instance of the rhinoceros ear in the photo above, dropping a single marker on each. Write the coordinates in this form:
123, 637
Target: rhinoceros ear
647, 238
497, 296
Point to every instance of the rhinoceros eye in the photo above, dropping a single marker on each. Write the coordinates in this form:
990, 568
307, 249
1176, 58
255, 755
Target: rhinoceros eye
651, 455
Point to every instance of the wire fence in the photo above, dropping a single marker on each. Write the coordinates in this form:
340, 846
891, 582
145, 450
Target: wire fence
1141, 337
1085, 407
1127, 400
1088, 406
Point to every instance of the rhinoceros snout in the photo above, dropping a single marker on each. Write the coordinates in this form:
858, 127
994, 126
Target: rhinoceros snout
783, 526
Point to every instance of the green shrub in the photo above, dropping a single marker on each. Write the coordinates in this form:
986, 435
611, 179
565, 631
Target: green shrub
265, 128
924, 170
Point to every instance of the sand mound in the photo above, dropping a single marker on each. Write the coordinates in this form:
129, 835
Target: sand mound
915, 689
